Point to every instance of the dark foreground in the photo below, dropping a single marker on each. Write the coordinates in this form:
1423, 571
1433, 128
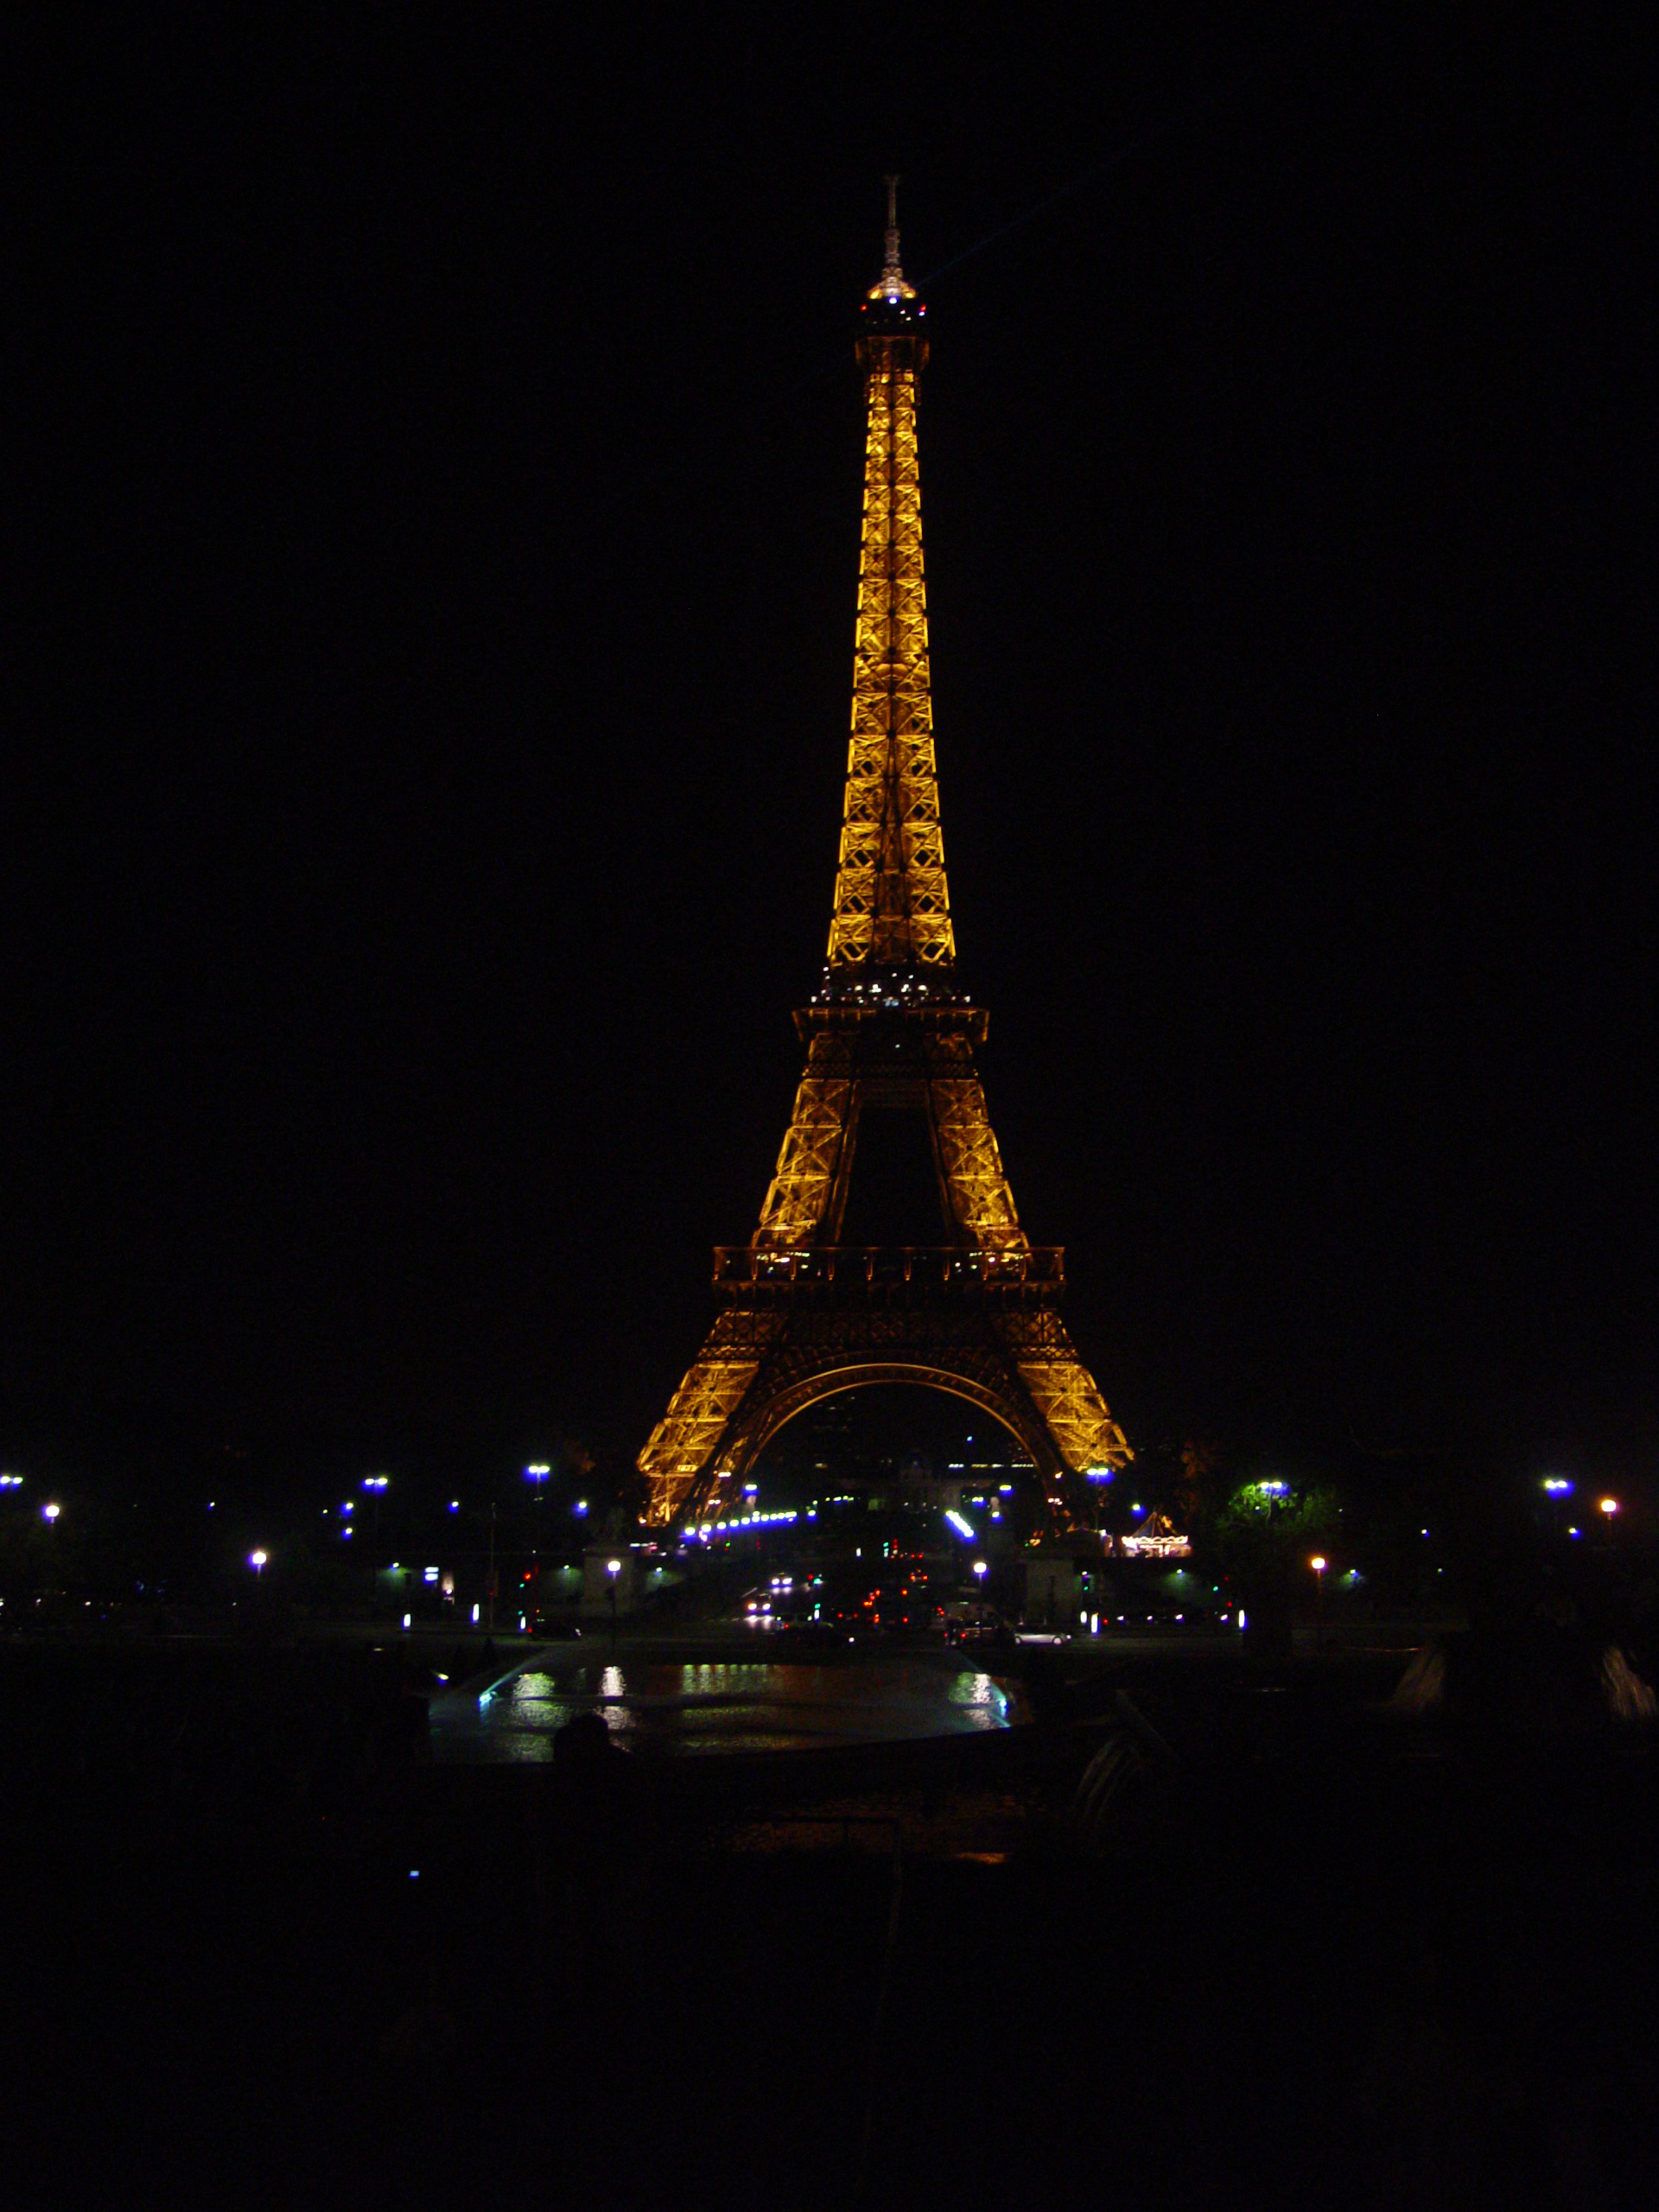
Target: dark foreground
1198, 1936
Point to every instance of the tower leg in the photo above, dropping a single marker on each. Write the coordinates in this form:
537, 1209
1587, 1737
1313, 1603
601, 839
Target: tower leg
679, 1457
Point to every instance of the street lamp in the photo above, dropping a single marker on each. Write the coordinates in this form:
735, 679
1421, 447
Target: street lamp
1319, 1564
375, 1485
980, 1572
1557, 1489
536, 1474
1609, 1506
256, 1562
50, 1512
613, 1568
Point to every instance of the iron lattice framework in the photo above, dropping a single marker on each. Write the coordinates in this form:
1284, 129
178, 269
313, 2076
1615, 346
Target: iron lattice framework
892, 908
804, 1316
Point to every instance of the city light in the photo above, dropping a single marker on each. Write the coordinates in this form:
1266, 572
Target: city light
738, 1525
579, 1508
1271, 1490
963, 1528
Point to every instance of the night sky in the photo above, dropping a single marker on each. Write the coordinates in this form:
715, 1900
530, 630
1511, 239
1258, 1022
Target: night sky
440, 499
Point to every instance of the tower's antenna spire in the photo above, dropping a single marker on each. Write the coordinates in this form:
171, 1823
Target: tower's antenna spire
892, 285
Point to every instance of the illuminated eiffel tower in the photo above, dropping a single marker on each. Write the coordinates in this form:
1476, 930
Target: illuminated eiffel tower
889, 1038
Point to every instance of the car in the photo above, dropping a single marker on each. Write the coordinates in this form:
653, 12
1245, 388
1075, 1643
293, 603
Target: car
971, 1621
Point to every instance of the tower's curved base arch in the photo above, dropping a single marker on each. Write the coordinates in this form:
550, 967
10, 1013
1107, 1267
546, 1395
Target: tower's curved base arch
762, 1365
753, 1437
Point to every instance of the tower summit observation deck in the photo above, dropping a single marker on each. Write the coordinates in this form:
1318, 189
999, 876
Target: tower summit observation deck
887, 1033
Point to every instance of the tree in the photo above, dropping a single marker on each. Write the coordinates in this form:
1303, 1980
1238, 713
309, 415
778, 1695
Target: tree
1198, 1487
1260, 1536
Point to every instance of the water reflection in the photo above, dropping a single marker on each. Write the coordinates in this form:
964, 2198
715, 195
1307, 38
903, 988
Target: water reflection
662, 1706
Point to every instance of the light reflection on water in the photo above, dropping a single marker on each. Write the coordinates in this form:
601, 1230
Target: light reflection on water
662, 1707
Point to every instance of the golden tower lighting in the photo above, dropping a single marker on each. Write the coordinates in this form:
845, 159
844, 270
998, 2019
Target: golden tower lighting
802, 1315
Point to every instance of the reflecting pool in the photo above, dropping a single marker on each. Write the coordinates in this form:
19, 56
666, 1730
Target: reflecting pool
660, 1707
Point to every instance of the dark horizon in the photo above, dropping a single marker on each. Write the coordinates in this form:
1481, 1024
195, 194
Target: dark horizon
443, 485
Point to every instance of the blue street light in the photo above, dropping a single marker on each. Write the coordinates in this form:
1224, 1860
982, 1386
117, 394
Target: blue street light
375, 1485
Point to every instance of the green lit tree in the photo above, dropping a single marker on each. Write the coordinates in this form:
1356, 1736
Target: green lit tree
1260, 1537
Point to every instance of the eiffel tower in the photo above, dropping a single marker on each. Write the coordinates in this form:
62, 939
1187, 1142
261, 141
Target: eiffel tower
889, 1039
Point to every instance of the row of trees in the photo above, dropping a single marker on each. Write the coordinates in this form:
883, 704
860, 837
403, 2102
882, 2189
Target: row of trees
1465, 1526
